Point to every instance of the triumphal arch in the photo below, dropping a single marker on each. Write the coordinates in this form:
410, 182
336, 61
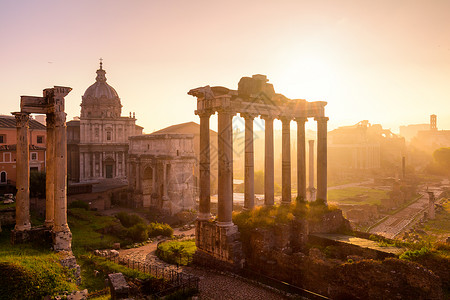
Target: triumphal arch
255, 97
52, 105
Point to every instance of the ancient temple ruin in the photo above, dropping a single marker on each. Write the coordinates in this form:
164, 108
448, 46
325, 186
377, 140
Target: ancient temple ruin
52, 105
255, 97
161, 171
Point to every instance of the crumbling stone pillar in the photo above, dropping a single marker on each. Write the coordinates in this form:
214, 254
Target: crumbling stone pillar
62, 237
23, 173
286, 161
268, 162
322, 158
301, 158
249, 178
205, 169
225, 151
50, 172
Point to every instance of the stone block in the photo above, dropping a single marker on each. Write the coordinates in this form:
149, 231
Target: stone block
118, 286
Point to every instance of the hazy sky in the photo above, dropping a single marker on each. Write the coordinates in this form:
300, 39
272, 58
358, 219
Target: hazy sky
384, 61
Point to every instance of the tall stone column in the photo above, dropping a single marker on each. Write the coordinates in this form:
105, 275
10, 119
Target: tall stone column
286, 161
50, 172
23, 173
311, 171
249, 176
205, 168
62, 235
268, 161
322, 158
225, 153
301, 158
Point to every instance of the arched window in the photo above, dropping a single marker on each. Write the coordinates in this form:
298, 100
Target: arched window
3, 178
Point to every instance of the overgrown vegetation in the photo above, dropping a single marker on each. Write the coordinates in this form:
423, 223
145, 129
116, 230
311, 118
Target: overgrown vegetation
269, 216
176, 252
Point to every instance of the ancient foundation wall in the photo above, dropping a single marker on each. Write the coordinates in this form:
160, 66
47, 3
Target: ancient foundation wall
218, 246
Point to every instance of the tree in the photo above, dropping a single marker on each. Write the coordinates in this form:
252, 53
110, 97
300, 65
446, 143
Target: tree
442, 157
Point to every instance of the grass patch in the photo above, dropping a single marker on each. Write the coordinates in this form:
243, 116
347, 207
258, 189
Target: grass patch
177, 252
357, 195
91, 230
30, 272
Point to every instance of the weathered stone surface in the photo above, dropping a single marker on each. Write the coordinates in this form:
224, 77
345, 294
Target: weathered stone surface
118, 286
161, 171
218, 243
69, 261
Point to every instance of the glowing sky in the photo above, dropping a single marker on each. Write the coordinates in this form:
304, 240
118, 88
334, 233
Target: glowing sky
384, 61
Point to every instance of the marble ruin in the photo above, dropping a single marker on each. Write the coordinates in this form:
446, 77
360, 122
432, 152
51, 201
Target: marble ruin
51, 104
254, 97
161, 171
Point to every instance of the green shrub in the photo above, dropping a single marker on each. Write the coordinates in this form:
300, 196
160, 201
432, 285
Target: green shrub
176, 252
79, 204
414, 254
129, 220
138, 232
155, 229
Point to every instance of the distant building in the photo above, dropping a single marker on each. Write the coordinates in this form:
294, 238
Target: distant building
364, 146
8, 143
431, 139
161, 171
100, 136
194, 129
410, 131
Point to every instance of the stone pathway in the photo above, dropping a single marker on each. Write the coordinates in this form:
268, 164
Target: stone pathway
213, 285
394, 224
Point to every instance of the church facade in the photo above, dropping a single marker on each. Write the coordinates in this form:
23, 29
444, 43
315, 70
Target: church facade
102, 140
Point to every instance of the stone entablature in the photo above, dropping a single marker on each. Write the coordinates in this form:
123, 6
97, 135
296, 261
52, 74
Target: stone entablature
161, 171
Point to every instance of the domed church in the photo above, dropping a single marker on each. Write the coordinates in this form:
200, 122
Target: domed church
103, 133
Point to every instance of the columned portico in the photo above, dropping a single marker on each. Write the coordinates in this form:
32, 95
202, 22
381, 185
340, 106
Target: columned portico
219, 240
23, 173
268, 161
51, 104
286, 161
225, 152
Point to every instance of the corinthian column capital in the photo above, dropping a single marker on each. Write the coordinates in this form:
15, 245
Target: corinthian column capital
22, 119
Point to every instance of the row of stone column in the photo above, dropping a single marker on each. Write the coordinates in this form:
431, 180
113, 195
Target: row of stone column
56, 176
225, 160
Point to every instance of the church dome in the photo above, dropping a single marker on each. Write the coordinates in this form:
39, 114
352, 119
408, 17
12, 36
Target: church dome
100, 99
100, 88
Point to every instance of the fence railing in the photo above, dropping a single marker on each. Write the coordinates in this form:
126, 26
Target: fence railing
176, 278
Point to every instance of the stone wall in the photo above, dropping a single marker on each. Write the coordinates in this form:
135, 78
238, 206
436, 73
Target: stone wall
218, 245
288, 253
